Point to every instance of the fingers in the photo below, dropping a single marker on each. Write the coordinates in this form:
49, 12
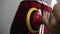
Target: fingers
56, 10
45, 18
52, 20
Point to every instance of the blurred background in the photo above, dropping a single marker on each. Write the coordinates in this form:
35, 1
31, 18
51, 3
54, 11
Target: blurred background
8, 9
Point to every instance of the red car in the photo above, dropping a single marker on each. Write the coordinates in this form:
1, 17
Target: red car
28, 18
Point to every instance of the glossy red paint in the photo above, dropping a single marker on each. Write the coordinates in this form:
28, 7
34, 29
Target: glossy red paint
19, 22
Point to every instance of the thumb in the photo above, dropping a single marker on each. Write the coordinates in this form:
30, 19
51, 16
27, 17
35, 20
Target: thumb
45, 18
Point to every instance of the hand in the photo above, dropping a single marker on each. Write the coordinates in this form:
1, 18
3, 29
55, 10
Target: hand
54, 18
